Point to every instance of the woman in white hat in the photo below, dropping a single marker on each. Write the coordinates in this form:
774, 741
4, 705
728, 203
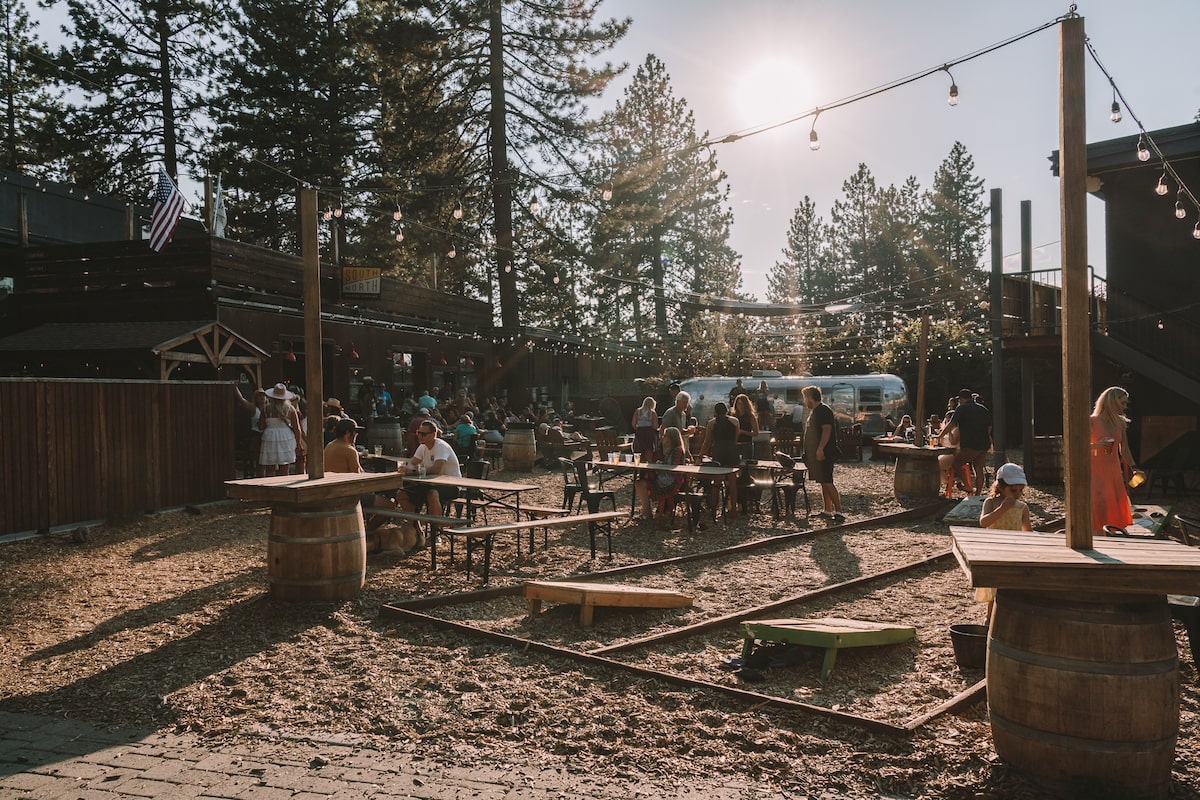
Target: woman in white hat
1003, 508
282, 440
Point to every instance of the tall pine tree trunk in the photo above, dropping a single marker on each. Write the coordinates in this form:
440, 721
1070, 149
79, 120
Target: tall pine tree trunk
513, 374
168, 100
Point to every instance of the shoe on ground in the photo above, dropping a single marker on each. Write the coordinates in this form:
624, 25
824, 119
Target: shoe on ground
839, 518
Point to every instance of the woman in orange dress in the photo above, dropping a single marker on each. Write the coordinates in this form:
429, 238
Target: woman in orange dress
1111, 460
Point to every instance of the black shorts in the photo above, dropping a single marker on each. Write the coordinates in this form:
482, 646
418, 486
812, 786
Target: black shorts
820, 471
418, 493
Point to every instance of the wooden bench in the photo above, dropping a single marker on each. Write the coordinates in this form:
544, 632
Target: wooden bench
533, 512
428, 519
589, 595
599, 521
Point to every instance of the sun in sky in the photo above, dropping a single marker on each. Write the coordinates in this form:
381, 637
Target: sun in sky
771, 89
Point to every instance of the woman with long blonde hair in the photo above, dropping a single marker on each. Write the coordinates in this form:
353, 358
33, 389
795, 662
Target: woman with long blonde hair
1112, 460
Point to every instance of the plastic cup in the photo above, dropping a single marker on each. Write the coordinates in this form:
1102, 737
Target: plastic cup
629, 458
378, 449
421, 470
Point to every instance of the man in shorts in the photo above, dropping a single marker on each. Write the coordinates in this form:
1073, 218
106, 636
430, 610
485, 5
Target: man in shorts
438, 458
973, 422
818, 436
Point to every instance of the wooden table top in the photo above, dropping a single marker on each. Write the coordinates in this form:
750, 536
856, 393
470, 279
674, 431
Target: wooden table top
682, 469
470, 483
1042, 561
299, 489
900, 448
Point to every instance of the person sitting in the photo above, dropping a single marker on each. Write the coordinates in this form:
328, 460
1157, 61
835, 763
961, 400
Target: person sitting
720, 442
905, 429
493, 428
662, 486
464, 435
341, 455
438, 458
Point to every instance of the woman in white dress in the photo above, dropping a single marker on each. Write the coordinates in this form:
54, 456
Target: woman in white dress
281, 432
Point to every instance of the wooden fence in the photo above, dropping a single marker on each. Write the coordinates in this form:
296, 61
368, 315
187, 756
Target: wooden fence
80, 450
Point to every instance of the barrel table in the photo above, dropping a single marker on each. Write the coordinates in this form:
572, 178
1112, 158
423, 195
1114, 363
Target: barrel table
520, 447
1082, 667
316, 545
388, 433
917, 474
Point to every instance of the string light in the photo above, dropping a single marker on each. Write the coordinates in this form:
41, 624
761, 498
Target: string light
534, 206
606, 195
328, 215
1161, 188
458, 211
953, 98
814, 143
1115, 116
397, 214
1196, 231
400, 235
1143, 152
337, 211
1180, 211
451, 253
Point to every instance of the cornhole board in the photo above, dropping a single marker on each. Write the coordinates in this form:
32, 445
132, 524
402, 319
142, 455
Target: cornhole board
830, 633
966, 512
590, 595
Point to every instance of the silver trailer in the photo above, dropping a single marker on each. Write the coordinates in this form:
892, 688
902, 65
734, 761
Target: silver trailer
862, 399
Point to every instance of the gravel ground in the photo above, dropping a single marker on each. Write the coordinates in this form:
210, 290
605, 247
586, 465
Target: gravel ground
166, 622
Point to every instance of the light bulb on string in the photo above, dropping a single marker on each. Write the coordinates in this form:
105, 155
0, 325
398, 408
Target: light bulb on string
1115, 116
397, 214
606, 195
451, 253
534, 205
1161, 188
400, 235
814, 143
337, 212
328, 215
1143, 153
458, 211
1180, 211
1196, 231
952, 99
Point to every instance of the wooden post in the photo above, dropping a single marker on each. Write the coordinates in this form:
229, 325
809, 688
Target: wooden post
208, 204
22, 220
1028, 408
996, 285
923, 358
310, 250
1076, 353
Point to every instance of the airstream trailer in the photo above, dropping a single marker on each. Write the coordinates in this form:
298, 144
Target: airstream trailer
862, 399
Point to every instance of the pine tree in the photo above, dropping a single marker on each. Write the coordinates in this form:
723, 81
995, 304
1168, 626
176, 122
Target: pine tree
665, 232
29, 105
140, 69
803, 276
954, 231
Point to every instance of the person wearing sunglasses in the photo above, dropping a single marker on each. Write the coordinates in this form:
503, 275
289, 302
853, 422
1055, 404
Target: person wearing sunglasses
438, 458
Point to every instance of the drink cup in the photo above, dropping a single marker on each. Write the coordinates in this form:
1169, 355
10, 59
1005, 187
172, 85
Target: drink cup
421, 470
637, 458
614, 457
378, 449
629, 458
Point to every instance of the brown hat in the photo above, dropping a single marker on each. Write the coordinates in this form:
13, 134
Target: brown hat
333, 402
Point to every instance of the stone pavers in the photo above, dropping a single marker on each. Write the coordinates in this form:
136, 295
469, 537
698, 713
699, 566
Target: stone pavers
45, 758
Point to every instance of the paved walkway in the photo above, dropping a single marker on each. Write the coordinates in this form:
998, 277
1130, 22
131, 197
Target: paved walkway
44, 757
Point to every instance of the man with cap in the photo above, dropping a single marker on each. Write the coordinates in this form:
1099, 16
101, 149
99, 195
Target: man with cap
974, 425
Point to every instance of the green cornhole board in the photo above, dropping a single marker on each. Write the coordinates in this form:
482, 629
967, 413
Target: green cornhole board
830, 633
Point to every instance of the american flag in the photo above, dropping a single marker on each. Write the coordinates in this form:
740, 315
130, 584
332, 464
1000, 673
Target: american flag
168, 205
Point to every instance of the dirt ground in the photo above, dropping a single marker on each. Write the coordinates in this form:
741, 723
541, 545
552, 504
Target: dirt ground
166, 622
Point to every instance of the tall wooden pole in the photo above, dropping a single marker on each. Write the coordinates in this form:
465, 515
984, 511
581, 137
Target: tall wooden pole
311, 252
1028, 408
996, 287
923, 360
1076, 352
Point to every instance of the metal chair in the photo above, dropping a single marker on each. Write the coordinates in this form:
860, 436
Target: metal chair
788, 482
571, 486
1189, 530
479, 470
590, 492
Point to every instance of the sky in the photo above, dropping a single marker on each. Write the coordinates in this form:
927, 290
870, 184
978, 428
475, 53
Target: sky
752, 63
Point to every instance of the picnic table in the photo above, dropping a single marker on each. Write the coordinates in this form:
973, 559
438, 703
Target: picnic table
704, 472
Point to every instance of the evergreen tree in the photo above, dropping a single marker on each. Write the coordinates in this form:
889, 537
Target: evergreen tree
954, 232
803, 277
665, 232
29, 106
140, 69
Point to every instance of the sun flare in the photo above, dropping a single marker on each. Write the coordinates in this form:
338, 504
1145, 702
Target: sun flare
772, 89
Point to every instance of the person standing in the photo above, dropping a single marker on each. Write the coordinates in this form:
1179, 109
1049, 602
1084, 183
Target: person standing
763, 407
737, 389
973, 422
679, 416
645, 429
720, 442
748, 426
281, 437
1003, 509
819, 434
1112, 460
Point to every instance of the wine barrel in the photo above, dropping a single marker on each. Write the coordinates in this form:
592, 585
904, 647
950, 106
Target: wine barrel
387, 432
1083, 691
317, 552
520, 447
917, 477
1047, 460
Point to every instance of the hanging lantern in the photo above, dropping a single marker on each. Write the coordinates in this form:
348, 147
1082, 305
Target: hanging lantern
442, 361
353, 352
290, 355
470, 362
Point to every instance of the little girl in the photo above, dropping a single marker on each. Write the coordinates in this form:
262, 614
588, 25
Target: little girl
1004, 509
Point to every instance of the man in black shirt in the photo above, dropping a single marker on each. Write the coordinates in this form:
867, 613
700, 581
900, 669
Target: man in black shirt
974, 424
